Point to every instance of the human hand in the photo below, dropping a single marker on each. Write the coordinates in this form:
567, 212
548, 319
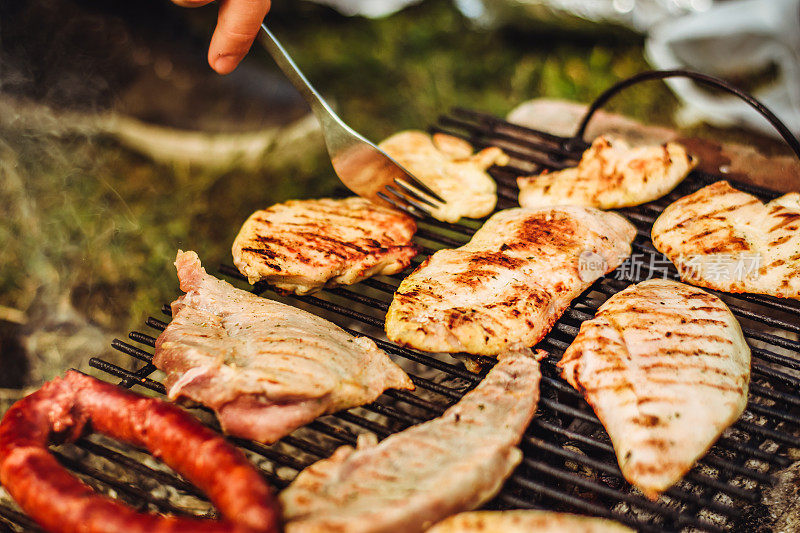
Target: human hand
238, 23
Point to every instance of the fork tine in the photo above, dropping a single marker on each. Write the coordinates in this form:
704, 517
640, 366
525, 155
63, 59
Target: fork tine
413, 192
425, 209
422, 187
575, 146
405, 208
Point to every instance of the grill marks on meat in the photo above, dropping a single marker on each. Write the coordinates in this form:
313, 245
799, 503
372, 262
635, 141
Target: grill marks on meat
419, 476
526, 522
447, 165
303, 245
725, 239
666, 369
610, 174
509, 284
265, 368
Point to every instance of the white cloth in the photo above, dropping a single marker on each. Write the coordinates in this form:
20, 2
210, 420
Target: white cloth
638, 15
734, 38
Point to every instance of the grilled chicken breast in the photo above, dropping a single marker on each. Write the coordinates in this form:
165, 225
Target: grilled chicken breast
447, 165
725, 239
666, 369
610, 174
419, 476
526, 522
265, 368
510, 283
303, 245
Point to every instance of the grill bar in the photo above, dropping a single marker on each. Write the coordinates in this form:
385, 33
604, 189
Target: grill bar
579, 504
104, 479
13, 517
132, 464
150, 341
561, 387
603, 490
569, 462
369, 320
604, 467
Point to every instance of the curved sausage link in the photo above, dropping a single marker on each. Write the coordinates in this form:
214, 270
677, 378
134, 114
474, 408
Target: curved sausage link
64, 409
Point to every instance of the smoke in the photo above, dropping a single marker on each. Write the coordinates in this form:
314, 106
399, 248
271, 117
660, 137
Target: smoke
56, 53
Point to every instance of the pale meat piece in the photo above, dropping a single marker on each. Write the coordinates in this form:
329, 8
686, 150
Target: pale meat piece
264, 367
666, 369
728, 240
448, 166
303, 245
507, 286
526, 522
419, 476
610, 174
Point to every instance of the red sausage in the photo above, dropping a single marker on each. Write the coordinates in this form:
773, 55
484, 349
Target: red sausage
66, 408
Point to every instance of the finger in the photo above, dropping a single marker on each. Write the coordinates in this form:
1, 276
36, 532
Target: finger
237, 27
191, 3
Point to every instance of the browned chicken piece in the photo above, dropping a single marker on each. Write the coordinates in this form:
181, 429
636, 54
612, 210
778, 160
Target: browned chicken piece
666, 368
264, 367
448, 166
419, 476
506, 287
526, 522
728, 240
303, 245
610, 174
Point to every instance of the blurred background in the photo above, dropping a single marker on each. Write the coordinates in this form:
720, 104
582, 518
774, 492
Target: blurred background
119, 145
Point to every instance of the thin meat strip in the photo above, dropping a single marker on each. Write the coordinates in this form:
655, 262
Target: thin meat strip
419, 476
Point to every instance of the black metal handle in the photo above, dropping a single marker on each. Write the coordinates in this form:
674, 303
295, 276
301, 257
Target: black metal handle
705, 79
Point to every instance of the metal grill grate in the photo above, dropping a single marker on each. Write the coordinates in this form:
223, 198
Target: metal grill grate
569, 463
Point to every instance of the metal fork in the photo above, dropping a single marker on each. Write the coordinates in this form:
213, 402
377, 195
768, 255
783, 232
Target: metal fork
363, 167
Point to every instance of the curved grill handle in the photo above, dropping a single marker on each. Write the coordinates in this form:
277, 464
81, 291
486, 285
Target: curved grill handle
704, 79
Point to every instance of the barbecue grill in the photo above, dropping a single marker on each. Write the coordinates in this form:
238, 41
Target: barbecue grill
569, 463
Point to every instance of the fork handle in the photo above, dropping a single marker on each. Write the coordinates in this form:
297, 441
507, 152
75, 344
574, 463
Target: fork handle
292, 71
